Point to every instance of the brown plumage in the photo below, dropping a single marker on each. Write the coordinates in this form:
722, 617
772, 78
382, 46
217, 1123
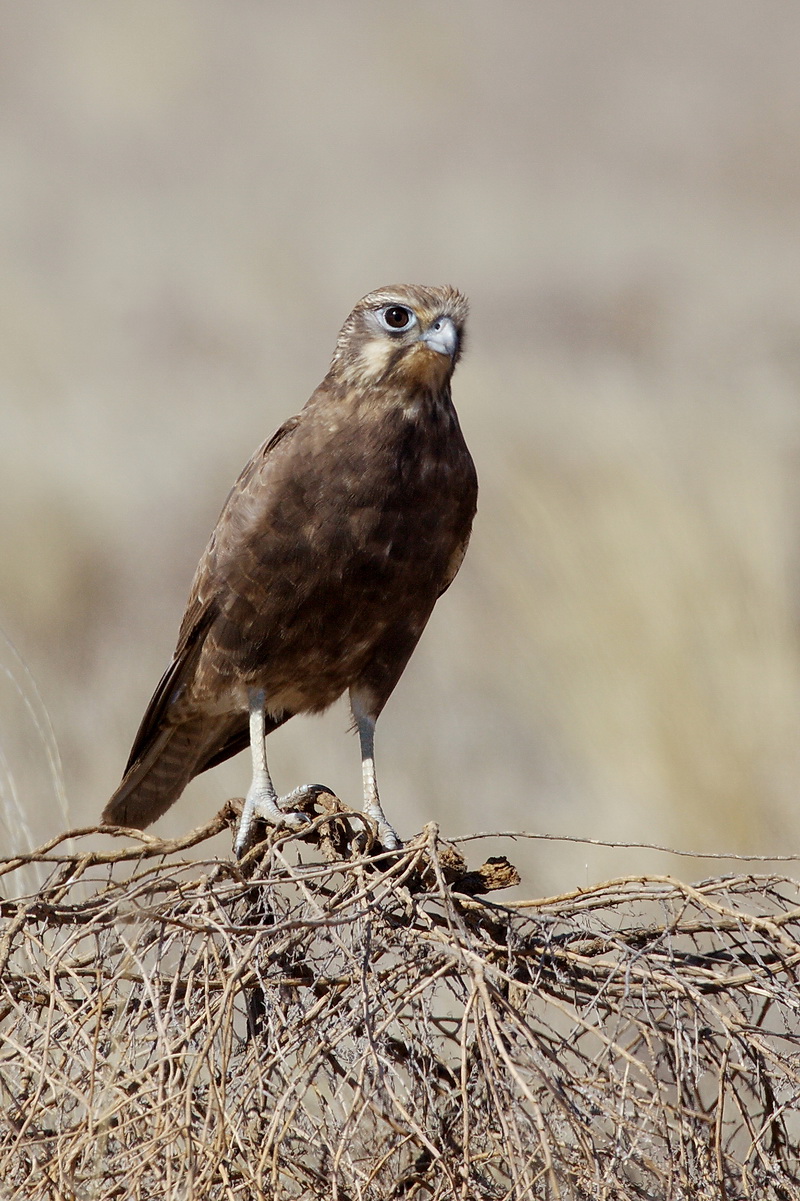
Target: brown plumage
325, 564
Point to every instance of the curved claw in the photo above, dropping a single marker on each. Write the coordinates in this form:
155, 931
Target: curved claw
263, 806
389, 837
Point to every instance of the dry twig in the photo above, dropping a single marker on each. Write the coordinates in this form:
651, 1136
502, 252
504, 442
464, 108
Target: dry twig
323, 1021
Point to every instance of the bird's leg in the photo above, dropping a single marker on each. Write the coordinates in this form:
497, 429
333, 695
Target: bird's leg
365, 724
261, 801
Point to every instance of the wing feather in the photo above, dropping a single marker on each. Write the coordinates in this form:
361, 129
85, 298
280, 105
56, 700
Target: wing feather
174, 743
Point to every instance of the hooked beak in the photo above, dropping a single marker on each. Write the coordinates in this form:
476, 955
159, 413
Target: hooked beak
442, 336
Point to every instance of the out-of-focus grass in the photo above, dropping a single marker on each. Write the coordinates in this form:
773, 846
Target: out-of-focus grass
193, 197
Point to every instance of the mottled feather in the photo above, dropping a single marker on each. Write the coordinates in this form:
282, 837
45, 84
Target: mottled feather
328, 557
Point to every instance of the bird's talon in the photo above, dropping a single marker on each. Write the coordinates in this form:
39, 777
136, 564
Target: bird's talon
294, 819
389, 838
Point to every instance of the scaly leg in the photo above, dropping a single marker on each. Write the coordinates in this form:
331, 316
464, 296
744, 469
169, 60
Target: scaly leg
261, 801
365, 724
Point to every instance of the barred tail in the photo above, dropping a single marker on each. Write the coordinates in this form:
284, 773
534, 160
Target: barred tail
154, 780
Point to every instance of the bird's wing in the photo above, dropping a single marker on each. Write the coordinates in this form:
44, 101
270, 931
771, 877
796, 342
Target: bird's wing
469, 505
202, 609
173, 744
206, 580
171, 685
456, 559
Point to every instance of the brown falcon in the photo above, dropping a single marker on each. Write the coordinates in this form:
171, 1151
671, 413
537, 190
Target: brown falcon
328, 557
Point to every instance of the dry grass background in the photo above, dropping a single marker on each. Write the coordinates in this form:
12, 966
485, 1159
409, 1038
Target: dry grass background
192, 196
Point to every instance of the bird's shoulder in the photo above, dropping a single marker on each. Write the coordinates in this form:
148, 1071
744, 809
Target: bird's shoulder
250, 481
259, 462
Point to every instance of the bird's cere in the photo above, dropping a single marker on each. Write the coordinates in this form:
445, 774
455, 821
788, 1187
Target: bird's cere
442, 336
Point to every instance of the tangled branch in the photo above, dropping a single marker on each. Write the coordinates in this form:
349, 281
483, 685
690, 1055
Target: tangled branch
324, 1021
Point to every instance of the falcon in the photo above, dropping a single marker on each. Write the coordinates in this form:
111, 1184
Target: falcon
330, 552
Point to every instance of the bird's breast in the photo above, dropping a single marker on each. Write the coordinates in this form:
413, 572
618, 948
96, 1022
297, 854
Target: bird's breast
343, 549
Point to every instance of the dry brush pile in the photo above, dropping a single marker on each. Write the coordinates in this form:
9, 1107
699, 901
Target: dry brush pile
324, 1022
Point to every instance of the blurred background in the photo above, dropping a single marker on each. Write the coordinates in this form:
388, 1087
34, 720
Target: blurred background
193, 195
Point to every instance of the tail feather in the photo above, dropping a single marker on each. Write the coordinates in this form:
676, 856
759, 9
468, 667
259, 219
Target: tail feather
155, 781
156, 777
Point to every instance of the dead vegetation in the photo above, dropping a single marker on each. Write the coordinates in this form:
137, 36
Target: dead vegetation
322, 1021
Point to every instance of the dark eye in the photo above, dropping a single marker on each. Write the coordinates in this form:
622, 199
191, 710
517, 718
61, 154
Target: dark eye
396, 316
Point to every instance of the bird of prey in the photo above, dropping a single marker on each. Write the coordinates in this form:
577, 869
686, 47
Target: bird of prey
330, 552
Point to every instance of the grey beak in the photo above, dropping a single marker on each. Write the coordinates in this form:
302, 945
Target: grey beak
442, 336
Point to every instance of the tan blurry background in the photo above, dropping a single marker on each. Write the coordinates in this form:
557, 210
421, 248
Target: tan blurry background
193, 194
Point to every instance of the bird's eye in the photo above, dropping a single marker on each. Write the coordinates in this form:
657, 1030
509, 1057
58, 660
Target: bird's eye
397, 316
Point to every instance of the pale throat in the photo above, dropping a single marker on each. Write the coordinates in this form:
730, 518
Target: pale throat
420, 365
374, 357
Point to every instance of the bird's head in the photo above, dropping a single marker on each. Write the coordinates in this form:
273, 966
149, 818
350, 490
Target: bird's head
406, 334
